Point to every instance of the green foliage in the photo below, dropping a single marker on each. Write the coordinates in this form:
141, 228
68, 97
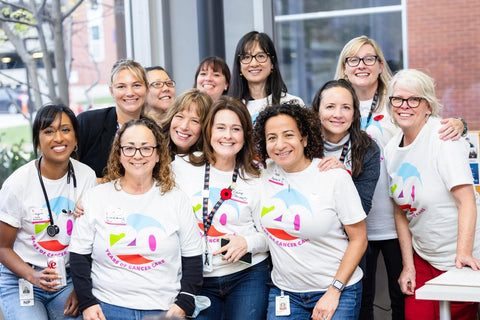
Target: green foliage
11, 158
21, 15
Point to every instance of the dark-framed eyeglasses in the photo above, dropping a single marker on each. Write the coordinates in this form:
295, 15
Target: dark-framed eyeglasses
160, 84
412, 102
261, 57
355, 61
130, 151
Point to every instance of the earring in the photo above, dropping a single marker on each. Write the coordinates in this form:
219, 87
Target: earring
241, 75
76, 148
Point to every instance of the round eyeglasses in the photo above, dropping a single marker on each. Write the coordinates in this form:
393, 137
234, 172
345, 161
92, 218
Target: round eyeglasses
145, 151
355, 61
160, 84
261, 57
412, 102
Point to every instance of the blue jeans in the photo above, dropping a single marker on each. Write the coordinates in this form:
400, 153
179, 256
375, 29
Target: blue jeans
114, 312
238, 296
302, 303
48, 305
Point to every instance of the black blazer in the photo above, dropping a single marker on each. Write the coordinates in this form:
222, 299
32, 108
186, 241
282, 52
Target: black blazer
97, 130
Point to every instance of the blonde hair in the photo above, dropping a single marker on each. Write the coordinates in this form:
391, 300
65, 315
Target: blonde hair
202, 102
350, 49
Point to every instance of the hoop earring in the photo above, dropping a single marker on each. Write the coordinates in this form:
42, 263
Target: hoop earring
76, 148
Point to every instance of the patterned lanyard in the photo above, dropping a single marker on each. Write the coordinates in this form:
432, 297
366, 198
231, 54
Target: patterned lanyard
225, 194
374, 105
344, 151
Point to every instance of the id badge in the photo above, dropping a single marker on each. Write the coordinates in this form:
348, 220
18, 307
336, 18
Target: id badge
25, 291
115, 216
207, 261
40, 215
282, 305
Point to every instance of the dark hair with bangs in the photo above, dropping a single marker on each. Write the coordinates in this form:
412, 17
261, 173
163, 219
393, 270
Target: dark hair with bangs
360, 141
45, 117
245, 157
239, 85
308, 124
218, 65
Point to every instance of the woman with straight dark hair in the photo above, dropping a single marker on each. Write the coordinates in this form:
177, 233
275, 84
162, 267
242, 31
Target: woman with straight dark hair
36, 221
213, 77
256, 77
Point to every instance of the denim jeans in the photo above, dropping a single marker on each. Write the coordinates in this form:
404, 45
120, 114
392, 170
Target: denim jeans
48, 305
392, 258
238, 296
113, 312
302, 303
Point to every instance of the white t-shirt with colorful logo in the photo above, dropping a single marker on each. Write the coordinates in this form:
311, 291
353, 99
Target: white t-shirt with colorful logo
234, 217
422, 175
303, 214
23, 206
136, 243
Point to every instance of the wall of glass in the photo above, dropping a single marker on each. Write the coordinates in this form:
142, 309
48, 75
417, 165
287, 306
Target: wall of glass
309, 36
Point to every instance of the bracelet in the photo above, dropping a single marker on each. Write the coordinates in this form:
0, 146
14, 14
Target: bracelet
465, 128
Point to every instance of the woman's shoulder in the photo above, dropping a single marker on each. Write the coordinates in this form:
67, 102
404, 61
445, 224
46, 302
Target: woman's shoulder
22, 175
286, 97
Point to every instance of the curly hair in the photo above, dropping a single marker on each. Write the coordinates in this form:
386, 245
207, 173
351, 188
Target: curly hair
307, 123
360, 141
246, 155
162, 172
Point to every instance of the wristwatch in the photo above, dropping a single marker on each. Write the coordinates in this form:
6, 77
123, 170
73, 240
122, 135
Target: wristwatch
337, 284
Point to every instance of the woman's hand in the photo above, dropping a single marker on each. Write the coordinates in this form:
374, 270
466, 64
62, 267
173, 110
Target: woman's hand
235, 249
464, 260
175, 312
452, 129
330, 162
93, 313
326, 305
407, 281
78, 211
71, 305
45, 279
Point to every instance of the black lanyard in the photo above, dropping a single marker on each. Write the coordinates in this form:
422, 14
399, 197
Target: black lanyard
225, 194
372, 107
53, 229
344, 151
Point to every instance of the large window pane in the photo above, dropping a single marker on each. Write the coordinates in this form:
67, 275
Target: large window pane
308, 49
283, 7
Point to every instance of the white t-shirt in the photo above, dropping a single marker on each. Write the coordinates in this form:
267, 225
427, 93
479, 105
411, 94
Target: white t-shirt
136, 243
257, 105
422, 175
234, 217
380, 220
23, 206
303, 215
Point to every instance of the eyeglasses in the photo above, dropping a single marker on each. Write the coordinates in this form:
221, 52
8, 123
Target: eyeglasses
261, 57
412, 102
355, 61
160, 84
145, 151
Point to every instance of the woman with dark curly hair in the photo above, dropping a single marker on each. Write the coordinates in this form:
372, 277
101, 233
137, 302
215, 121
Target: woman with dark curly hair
137, 227
313, 220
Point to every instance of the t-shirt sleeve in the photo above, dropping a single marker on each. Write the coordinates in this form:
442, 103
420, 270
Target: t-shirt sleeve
453, 164
83, 233
257, 242
347, 201
190, 241
10, 205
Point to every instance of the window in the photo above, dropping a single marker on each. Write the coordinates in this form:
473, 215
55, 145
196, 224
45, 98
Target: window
309, 36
